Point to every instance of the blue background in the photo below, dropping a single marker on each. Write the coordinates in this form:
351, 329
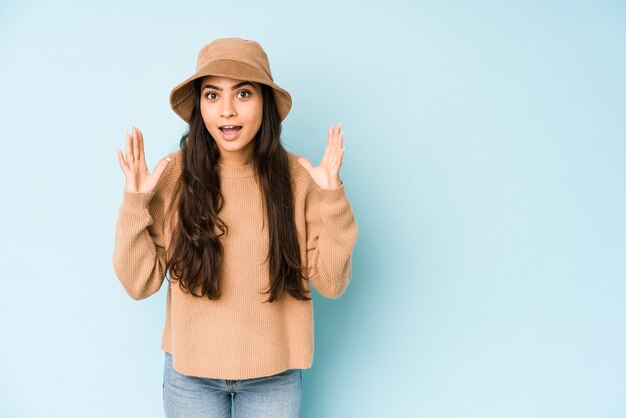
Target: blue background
485, 146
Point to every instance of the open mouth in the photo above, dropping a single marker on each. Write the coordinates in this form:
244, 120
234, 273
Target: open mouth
230, 132
230, 129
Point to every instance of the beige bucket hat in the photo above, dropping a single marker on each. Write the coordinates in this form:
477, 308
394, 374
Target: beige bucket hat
237, 58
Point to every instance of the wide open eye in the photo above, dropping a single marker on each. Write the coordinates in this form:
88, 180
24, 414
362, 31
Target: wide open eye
247, 92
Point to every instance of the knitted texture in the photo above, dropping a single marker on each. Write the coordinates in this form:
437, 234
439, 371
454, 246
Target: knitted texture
237, 336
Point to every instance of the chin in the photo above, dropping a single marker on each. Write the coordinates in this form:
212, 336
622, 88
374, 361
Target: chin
234, 146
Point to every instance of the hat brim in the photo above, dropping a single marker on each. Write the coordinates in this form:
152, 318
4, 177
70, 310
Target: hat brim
181, 96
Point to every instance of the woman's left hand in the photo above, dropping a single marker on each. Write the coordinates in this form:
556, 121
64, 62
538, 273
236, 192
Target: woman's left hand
326, 175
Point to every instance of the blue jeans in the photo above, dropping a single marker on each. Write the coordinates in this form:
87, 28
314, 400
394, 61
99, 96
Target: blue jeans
274, 396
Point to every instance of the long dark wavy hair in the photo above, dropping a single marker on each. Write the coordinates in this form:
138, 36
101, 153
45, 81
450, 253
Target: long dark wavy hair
198, 253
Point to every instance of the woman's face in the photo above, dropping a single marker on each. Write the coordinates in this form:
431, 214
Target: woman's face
227, 101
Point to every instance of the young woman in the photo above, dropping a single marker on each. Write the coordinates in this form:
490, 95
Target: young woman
244, 227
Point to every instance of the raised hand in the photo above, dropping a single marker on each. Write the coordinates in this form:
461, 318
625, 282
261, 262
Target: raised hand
326, 175
138, 178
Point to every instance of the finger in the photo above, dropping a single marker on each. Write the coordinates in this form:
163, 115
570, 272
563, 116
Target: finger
334, 146
340, 144
129, 149
141, 148
336, 139
331, 131
337, 145
120, 158
328, 144
341, 157
160, 167
135, 144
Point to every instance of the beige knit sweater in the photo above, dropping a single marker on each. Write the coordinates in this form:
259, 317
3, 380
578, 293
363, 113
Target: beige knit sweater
237, 336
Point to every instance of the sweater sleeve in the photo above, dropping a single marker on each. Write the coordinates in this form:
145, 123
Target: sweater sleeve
139, 255
331, 234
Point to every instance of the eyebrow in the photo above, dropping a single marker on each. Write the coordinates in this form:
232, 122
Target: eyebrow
236, 86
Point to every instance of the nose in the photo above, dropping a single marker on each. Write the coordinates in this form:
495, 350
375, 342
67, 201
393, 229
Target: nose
228, 109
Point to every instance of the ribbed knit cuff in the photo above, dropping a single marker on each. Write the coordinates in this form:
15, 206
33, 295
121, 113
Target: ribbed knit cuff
334, 205
136, 200
332, 195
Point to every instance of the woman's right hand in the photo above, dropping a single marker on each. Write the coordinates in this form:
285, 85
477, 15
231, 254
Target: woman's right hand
138, 178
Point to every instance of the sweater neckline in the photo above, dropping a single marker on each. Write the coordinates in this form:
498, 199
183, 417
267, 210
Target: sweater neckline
236, 171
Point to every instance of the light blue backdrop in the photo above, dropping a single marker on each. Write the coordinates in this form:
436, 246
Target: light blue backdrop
485, 146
